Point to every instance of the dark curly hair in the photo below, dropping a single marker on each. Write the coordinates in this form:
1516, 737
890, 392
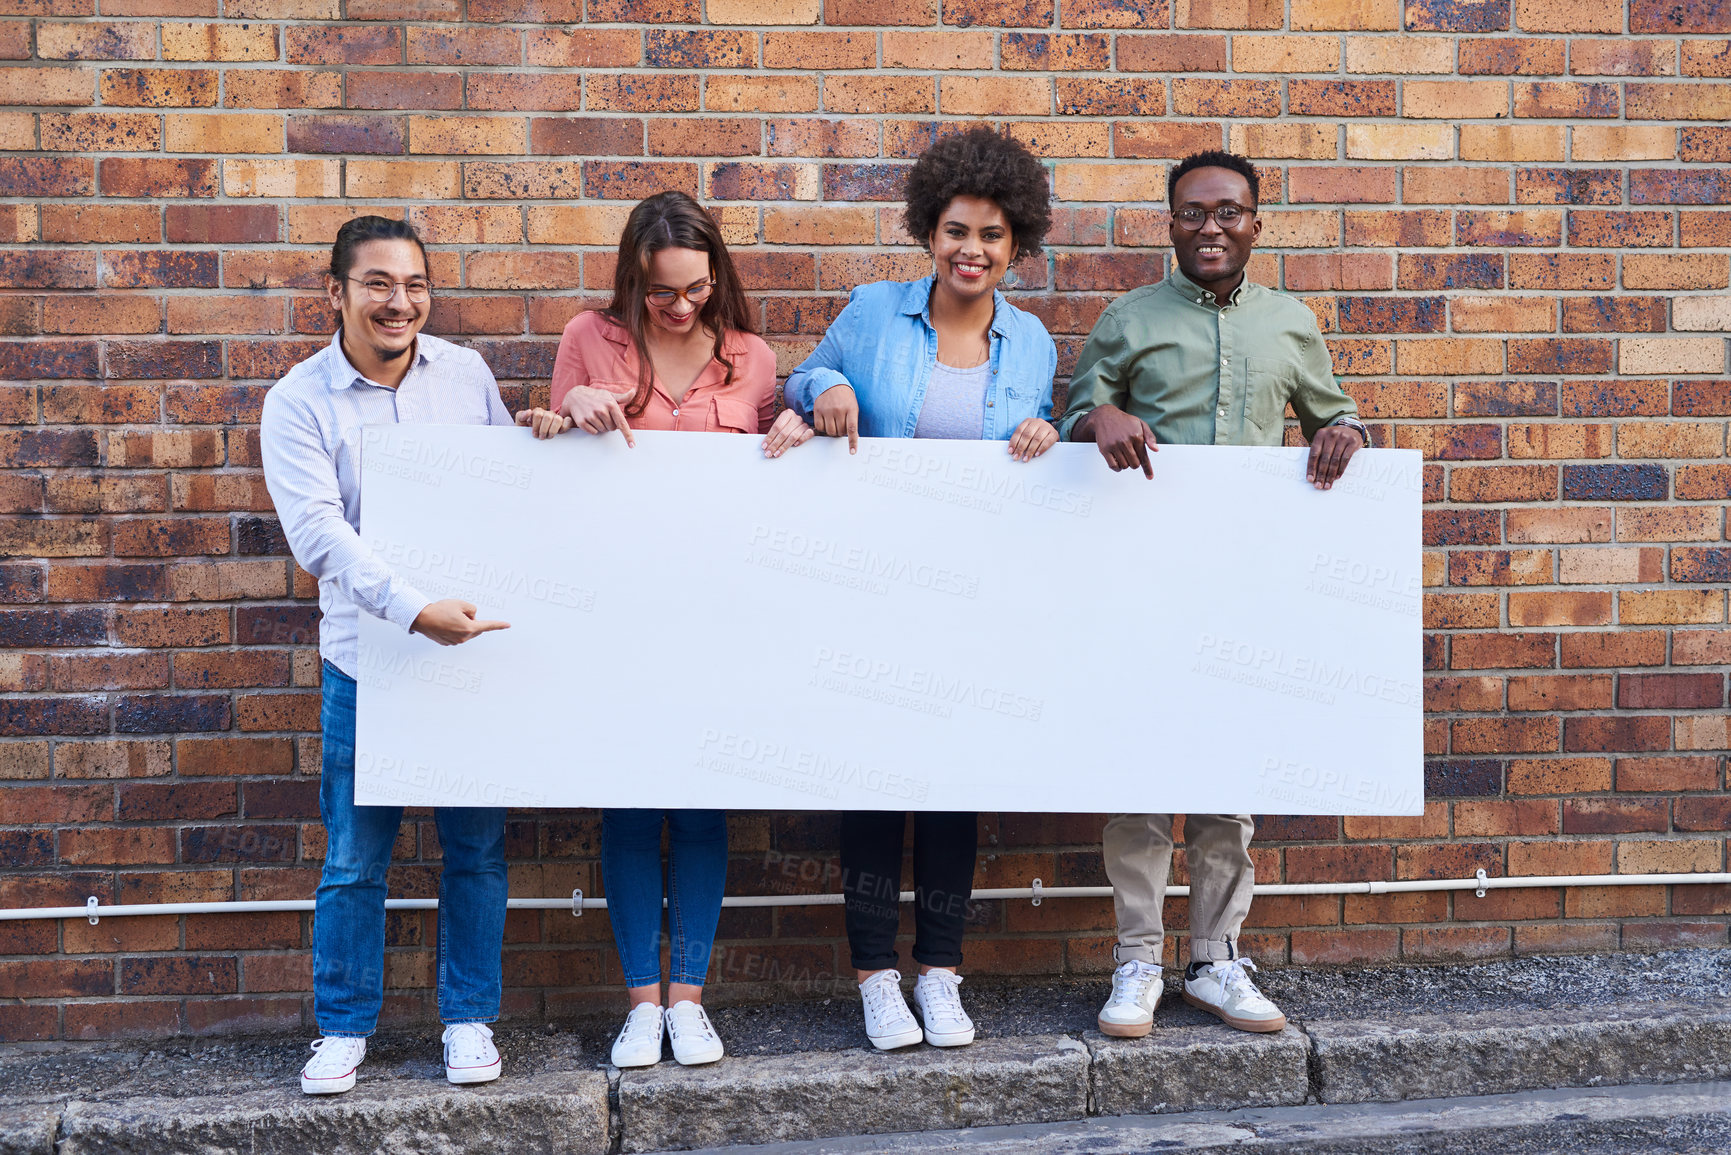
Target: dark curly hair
980, 163
1214, 158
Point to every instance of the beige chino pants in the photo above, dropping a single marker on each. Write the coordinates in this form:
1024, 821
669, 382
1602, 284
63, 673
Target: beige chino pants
1138, 851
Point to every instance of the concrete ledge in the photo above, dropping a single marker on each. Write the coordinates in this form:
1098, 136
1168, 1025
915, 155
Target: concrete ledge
1035, 1079
1197, 1068
1442, 1056
28, 1128
1693, 1119
552, 1114
797, 1073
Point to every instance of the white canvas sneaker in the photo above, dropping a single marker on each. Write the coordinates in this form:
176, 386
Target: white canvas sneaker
639, 1041
889, 1023
1136, 990
332, 1067
1225, 989
947, 1024
692, 1034
470, 1056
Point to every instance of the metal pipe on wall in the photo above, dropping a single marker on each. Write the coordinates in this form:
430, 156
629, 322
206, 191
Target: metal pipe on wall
1037, 892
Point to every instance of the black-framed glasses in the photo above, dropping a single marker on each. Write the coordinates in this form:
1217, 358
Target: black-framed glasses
664, 298
383, 289
1226, 216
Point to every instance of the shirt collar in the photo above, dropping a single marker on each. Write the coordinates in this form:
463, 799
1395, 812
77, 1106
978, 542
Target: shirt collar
615, 332
1202, 296
344, 374
917, 302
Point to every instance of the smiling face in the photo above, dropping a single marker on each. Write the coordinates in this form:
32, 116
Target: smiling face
1211, 256
686, 270
385, 329
971, 247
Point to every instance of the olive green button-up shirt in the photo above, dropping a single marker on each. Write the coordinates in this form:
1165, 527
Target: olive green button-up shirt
1201, 375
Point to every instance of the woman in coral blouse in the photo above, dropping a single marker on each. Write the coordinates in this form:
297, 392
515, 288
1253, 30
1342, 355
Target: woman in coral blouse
676, 349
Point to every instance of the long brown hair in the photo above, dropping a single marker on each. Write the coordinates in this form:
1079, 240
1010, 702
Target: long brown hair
672, 220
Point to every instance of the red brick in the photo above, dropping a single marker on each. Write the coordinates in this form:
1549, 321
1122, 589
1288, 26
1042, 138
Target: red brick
1636, 732
1670, 691
1504, 735
1561, 692
158, 88
405, 90
1324, 185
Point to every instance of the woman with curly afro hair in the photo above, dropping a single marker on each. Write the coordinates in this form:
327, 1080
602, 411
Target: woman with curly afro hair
943, 356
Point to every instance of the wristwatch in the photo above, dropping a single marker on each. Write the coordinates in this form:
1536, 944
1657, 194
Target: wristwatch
1354, 423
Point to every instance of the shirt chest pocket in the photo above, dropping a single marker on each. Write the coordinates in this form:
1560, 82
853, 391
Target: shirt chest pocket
1268, 386
735, 416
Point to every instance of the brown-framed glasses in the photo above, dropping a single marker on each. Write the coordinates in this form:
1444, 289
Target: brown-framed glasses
382, 289
1226, 216
664, 298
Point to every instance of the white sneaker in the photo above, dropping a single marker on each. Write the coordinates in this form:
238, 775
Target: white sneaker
639, 1041
692, 1034
947, 1024
1136, 990
332, 1067
1225, 989
889, 1023
470, 1056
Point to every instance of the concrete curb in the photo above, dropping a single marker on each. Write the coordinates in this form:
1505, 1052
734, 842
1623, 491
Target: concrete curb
560, 1113
1038, 1079
1692, 1118
573, 1105
1442, 1056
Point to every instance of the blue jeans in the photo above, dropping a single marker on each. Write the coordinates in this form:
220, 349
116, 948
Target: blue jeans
696, 879
349, 921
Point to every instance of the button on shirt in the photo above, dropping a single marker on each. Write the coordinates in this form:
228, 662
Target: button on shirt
310, 439
1202, 375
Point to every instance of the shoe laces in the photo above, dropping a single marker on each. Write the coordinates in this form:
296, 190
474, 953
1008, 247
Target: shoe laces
641, 1026
1132, 980
1234, 979
335, 1050
694, 1021
466, 1042
883, 995
942, 1001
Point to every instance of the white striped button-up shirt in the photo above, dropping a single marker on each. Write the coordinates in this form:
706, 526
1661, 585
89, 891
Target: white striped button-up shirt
310, 439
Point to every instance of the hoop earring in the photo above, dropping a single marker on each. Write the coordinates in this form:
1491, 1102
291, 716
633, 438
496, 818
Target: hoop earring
1011, 280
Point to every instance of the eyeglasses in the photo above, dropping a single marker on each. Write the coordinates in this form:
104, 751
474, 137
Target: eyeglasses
664, 298
1226, 216
380, 289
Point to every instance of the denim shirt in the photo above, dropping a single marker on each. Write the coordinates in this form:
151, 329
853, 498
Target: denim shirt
883, 345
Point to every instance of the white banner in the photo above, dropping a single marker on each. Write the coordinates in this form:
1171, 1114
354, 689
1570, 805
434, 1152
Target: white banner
927, 625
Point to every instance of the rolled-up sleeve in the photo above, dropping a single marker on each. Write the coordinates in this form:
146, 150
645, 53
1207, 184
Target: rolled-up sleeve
1099, 377
1318, 400
568, 368
302, 480
823, 369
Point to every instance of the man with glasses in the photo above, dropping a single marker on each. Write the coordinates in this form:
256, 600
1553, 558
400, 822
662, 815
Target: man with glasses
1204, 357
380, 369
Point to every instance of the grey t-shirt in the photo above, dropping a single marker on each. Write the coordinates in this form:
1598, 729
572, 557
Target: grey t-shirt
955, 402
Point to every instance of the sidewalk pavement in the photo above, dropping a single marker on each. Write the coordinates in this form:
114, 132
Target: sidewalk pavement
801, 1072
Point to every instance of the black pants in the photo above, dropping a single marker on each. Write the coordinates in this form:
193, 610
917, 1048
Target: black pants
871, 861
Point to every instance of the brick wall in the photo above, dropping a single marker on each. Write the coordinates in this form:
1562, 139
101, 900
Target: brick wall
1508, 218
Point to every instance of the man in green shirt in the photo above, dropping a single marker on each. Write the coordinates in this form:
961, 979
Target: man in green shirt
1205, 357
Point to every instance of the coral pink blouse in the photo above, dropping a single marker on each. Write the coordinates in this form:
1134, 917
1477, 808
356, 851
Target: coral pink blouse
594, 351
